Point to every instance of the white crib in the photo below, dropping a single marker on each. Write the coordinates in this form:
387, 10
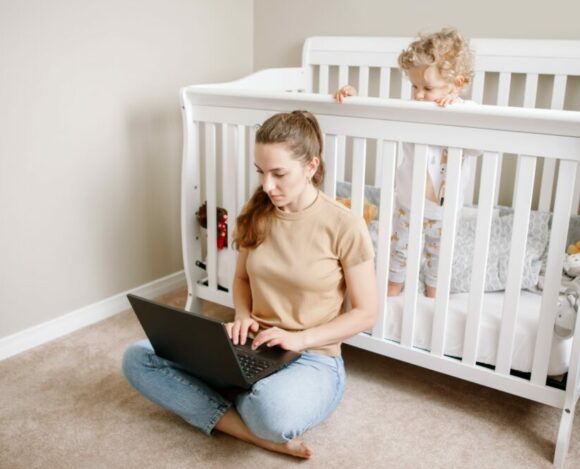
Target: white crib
528, 141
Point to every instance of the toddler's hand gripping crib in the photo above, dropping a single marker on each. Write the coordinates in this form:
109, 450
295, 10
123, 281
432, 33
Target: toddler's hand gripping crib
504, 340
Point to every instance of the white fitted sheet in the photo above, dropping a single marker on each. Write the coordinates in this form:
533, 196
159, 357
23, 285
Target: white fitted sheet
527, 323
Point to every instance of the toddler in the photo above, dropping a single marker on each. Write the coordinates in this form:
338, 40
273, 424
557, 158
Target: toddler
439, 66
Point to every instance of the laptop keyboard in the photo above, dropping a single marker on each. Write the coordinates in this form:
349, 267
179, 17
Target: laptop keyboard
251, 365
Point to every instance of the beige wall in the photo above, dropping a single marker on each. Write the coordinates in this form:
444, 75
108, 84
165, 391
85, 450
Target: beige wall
280, 26
90, 142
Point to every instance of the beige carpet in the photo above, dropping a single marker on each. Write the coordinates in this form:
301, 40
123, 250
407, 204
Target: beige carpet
67, 405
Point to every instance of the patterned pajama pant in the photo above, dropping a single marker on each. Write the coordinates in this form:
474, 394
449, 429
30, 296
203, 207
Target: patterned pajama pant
400, 246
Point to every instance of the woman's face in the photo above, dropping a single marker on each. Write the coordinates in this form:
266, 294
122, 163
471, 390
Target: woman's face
282, 177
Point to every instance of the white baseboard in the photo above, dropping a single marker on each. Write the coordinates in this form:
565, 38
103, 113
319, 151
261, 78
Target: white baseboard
91, 314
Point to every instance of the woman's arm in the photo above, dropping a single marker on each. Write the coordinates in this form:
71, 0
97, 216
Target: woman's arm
242, 295
361, 287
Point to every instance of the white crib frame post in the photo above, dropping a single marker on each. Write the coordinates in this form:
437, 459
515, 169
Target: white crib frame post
570, 402
190, 192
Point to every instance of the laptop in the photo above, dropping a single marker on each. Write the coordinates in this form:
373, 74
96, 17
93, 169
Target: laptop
201, 346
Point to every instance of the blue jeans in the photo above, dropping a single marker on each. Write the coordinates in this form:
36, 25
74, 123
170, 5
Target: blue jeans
277, 408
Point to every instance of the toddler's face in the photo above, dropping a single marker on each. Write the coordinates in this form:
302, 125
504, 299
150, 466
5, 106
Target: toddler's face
428, 84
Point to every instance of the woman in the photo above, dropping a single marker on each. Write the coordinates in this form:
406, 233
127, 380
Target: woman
299, 253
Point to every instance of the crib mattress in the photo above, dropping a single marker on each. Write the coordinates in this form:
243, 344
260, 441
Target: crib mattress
524, 342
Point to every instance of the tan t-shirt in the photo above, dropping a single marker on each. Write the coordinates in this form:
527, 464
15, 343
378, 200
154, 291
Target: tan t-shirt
296, 275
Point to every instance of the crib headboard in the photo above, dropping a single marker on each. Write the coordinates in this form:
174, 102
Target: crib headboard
508, 72
514, 72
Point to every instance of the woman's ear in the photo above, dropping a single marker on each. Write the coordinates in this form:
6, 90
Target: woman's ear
313, 164
459, 81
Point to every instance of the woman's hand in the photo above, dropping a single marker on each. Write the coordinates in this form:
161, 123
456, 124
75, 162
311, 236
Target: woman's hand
345, 91
287, 340
238, 330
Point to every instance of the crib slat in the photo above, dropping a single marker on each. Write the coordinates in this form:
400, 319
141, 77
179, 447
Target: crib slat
330, 157
358, 174
481, 246
522, 203
531, 90
240, 165
503, 89
498, 185
405, 88
414, 247
549, 168
384, 82
323, 79
378, 163
547, 185
557, 246
477, 87
210, 188
470, 188
228, 183
576, 196
450, 214
386, 182
228, 175
252, 174
309, 78
558, 92
342, 76
363, 81
224, 152
340, 157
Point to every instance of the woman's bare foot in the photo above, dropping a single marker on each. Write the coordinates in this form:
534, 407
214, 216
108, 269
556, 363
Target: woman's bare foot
430, 292
394, 289
296, 447
232, 424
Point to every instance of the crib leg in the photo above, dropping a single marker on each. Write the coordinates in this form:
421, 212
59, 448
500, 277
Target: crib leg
564, 434
193, 303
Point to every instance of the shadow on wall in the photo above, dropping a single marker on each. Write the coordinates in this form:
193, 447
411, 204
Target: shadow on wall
150, 220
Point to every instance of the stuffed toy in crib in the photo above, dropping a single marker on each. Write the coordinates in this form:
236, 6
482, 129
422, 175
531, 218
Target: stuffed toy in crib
567, 310
222, 224
572, 261
226, 259
370, 211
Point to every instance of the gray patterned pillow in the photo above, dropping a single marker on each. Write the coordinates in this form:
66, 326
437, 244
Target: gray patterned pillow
498, 259
500, 239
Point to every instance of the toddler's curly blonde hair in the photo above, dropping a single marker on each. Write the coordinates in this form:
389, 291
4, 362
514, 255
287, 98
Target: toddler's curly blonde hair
447, 49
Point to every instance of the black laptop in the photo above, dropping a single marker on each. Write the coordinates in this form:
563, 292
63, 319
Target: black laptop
201, 345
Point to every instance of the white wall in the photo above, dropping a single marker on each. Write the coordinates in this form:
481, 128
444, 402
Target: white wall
90, 142
280, 26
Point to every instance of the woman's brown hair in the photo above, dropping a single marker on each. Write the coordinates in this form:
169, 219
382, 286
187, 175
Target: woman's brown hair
300, 133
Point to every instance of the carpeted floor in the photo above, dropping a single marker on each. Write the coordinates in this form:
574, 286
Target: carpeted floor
66, 405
